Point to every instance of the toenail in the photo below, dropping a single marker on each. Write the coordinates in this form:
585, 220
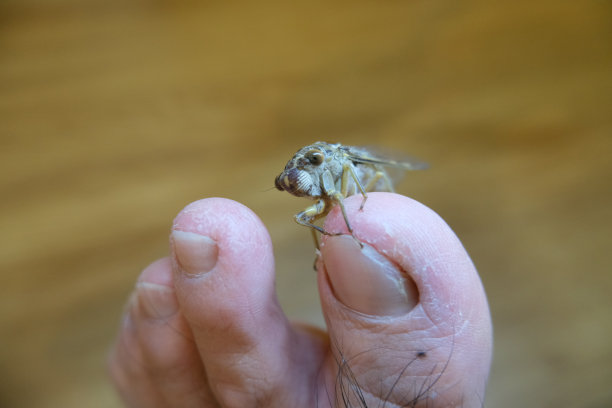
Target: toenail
195, 254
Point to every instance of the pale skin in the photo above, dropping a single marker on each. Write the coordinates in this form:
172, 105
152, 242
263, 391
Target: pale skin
407, 318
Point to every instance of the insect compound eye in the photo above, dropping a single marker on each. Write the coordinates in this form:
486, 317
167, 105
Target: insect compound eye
315, 157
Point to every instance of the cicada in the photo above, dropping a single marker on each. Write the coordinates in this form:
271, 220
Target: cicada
328, 173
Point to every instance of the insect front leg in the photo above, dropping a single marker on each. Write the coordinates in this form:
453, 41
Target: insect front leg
311, 214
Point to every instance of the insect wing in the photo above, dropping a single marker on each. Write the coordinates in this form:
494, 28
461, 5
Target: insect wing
363, 155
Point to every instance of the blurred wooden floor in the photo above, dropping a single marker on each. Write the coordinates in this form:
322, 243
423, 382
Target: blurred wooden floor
116, 114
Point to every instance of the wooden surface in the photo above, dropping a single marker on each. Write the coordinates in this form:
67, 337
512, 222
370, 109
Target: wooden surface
116, 114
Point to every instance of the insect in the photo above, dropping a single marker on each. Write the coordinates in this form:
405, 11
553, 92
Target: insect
328, 173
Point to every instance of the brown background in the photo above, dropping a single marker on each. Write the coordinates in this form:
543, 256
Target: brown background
116, 114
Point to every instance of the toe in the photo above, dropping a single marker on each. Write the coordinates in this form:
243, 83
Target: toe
407, 313
224, 276
154, 362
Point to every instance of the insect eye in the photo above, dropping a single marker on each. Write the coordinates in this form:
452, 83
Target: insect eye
315, 157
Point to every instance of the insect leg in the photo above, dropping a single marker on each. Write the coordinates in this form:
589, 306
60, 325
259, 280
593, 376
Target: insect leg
346, 170
314, 212
380, 175
307, 217
344, 180
338, 197
315, 239
310, 214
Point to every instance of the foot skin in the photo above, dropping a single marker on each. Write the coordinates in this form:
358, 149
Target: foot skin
407, 317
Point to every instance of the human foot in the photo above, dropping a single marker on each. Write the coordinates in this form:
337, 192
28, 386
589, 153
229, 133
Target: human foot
408, 322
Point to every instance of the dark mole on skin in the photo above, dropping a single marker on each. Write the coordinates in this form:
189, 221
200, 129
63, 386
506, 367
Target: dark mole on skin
421, 354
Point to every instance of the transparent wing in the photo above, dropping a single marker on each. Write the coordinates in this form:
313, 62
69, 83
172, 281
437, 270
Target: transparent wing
374, 156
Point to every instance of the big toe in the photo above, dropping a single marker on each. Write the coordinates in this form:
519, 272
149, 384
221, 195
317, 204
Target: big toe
407, 313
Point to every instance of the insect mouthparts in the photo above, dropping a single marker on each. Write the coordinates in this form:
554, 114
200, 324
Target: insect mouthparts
277, 183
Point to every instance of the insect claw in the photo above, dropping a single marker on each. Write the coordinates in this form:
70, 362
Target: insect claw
317, 256
358, 241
